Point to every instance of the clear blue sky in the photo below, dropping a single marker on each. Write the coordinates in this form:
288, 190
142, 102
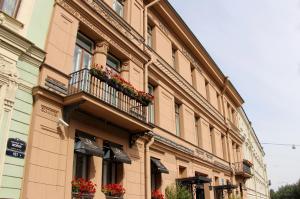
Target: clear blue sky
257, 44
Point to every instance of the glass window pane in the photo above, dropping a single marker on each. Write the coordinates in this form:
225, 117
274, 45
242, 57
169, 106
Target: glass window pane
118, 7
177, 125
81, 166
85, 42
87, 60
9, 6
113, 62
77, 58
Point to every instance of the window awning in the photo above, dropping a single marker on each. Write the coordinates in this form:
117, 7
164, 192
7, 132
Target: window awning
227, 187
88, 147
160, 168
197, 180
117, 155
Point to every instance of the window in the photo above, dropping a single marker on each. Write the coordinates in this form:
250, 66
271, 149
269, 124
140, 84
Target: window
197, 131
219, 102
118, 7
177, 118
207, 90
149, 35
224, 147
193, 75
10, 7
174, 61
83, 52
212, 138
151, 106
233, 116
80, 166
81, 160
182, 171
113, 62
112, 171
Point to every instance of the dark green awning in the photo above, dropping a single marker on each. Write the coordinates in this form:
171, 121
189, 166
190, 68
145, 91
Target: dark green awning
88, 147
159, 167
116, 154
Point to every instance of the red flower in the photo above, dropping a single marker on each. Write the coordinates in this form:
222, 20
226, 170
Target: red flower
156, 194
83, 186
113, 189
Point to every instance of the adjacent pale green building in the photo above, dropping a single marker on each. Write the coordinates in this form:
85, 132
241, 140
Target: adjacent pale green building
23, 31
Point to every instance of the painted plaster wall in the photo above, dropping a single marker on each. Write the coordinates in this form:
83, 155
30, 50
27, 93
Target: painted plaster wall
257, 186
35, 29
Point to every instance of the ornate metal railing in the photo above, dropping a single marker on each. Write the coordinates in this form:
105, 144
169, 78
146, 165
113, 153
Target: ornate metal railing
84, 81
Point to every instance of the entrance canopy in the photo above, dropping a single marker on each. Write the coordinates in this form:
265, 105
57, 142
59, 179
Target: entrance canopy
88, 147
197, 180
225, 187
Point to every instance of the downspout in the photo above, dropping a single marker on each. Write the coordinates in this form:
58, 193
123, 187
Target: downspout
151, 141
146, 41
148, 169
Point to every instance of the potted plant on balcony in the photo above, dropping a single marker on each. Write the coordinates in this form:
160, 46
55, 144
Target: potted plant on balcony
156, 194
129, 90
113, 191
145, 98
99, 72
83, 189
117, 82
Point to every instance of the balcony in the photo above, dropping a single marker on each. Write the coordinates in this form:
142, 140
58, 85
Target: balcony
243, 170
98, 97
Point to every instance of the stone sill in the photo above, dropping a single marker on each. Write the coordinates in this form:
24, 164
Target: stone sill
10, 22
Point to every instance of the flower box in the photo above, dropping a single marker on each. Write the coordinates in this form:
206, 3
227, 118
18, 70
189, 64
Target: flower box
113, 191
77, 195
118, 83
83, 189
99, 74
113, 197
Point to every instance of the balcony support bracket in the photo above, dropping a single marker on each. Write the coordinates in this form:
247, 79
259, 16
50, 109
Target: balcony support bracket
68, 110
134, 137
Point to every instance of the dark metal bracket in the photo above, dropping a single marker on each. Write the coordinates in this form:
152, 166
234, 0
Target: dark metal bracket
134, 137
68, 110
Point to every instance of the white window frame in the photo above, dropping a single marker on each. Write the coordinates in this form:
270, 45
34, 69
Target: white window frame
118, 5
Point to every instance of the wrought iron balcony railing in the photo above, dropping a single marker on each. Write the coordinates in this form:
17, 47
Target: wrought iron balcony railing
243, 169
84, 81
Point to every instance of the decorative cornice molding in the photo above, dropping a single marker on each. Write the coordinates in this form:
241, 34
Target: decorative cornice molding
25, 88
21, 47
110, 16
10, 22
182, 83
172, 144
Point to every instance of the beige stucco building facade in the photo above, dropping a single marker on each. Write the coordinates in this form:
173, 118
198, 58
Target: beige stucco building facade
188, 133
258, 185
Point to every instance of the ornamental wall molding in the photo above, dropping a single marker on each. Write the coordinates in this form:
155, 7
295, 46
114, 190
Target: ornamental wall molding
20, 46
106, 13
64, 4
8, 69
173, 75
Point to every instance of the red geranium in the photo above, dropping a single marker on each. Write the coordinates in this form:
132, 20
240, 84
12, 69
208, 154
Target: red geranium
156, 194
113, 190
82, 186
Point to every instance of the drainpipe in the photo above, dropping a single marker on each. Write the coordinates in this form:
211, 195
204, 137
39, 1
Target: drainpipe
148, 169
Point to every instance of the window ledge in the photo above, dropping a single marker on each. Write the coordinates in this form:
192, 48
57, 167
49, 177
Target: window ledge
10, 22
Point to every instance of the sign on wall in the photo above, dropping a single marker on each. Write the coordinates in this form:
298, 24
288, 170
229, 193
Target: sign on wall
16, 148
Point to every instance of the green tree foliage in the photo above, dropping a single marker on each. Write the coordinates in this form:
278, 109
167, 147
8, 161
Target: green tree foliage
177, 192
290, 191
